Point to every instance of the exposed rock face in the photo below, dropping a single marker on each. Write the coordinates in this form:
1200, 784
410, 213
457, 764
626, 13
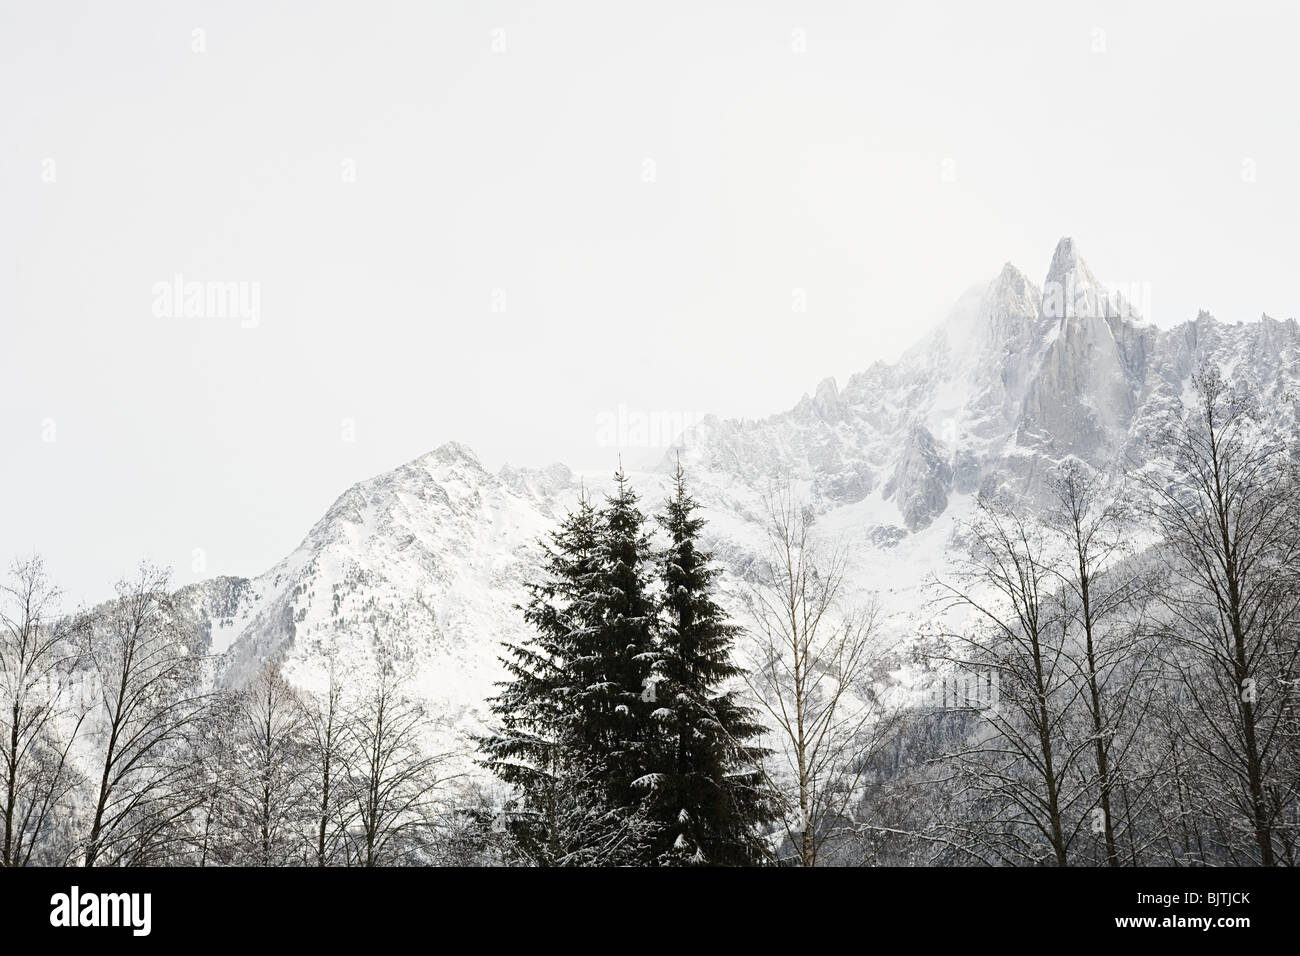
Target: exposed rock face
1083, 397
966, 471
886, 535
1007, 356
827, 401
921, 480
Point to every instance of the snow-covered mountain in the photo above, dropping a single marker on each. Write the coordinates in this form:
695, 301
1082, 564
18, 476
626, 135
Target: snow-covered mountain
428, 558
431, 557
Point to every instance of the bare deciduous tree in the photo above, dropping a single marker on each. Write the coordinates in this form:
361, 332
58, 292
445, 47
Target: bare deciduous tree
392, 780
38, 723
1020, 769
1111, 654
1230, 518
145, 659
215, 775
273, 752
328, 746
812, 668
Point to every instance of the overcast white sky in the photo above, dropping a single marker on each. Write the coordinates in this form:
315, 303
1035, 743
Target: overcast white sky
641, 187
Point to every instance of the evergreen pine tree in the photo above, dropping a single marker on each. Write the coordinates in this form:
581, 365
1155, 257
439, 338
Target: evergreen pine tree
711, 801
619, 738
614, 692
545, 740
573, 728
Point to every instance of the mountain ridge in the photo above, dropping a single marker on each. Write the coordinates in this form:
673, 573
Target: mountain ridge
431, 557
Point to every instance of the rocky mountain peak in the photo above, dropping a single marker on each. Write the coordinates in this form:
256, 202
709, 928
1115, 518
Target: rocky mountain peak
827, 400
1010, 309
454, 454
1072, 292
1012, 288
1065, 259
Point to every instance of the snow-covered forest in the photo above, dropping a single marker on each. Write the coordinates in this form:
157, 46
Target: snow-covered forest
1103, 671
